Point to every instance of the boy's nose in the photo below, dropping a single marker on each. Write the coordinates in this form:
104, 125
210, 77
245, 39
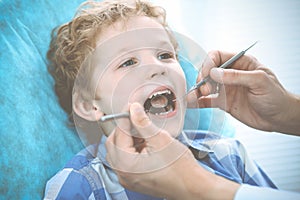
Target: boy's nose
156, 70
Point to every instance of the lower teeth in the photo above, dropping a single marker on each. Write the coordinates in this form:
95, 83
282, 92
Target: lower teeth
157, 111
161, 110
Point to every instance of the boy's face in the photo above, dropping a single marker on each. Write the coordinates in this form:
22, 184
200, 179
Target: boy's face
135, 61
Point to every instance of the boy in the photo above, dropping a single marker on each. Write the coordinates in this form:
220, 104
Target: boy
111, 55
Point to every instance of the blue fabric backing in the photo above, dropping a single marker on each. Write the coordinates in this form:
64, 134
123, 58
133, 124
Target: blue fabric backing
34, 139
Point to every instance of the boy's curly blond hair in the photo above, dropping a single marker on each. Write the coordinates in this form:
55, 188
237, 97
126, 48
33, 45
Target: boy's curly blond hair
73, 41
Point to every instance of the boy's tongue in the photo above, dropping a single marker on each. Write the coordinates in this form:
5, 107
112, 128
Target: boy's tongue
159, 101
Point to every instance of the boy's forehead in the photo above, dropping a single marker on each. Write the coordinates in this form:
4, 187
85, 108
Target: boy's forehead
127, 41
125, 25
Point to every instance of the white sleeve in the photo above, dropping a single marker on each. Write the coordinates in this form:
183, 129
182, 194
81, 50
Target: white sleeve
248, 192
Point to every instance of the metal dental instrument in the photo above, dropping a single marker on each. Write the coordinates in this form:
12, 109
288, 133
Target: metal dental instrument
224, 66
114, 116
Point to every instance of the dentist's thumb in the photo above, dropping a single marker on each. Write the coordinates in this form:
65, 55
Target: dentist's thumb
235, 77
154, 136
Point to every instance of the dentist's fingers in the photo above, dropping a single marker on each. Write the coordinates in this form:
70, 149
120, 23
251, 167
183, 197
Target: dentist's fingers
120, 146
256, 81
147, 129
121, 136
161, 148
210, 101
192, 97
214, 59
217, 58
249, 79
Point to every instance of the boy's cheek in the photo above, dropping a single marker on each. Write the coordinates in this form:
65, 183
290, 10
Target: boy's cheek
107, 128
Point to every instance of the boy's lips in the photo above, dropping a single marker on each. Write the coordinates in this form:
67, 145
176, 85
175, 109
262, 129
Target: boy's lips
160, 102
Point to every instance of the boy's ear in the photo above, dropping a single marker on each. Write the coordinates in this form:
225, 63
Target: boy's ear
88, 110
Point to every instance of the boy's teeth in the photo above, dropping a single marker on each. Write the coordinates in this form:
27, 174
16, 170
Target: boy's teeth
159, 93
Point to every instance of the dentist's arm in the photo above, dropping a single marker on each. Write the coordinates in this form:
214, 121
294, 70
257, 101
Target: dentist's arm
253, 94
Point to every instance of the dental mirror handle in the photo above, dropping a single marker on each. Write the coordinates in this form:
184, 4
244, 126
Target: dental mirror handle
114, 116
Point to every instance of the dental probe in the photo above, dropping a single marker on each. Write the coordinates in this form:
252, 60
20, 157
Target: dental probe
224, 66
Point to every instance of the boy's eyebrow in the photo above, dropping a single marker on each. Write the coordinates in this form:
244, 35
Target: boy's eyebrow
162, 45
166, 45
133, 40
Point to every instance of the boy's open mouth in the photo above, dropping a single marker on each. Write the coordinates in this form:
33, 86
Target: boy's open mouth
160, 102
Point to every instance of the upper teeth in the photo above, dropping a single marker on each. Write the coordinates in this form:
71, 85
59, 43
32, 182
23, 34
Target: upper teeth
160, 93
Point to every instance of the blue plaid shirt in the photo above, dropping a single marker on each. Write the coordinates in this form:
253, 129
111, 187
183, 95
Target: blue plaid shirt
90, 177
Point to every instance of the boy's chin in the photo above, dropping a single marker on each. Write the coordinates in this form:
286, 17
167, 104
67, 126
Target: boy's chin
173, 126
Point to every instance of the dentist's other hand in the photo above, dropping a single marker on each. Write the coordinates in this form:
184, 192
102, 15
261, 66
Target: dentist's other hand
156, 164
251, 93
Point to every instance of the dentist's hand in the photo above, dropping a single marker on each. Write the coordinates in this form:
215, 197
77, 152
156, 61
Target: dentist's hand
159, 165
252, 94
